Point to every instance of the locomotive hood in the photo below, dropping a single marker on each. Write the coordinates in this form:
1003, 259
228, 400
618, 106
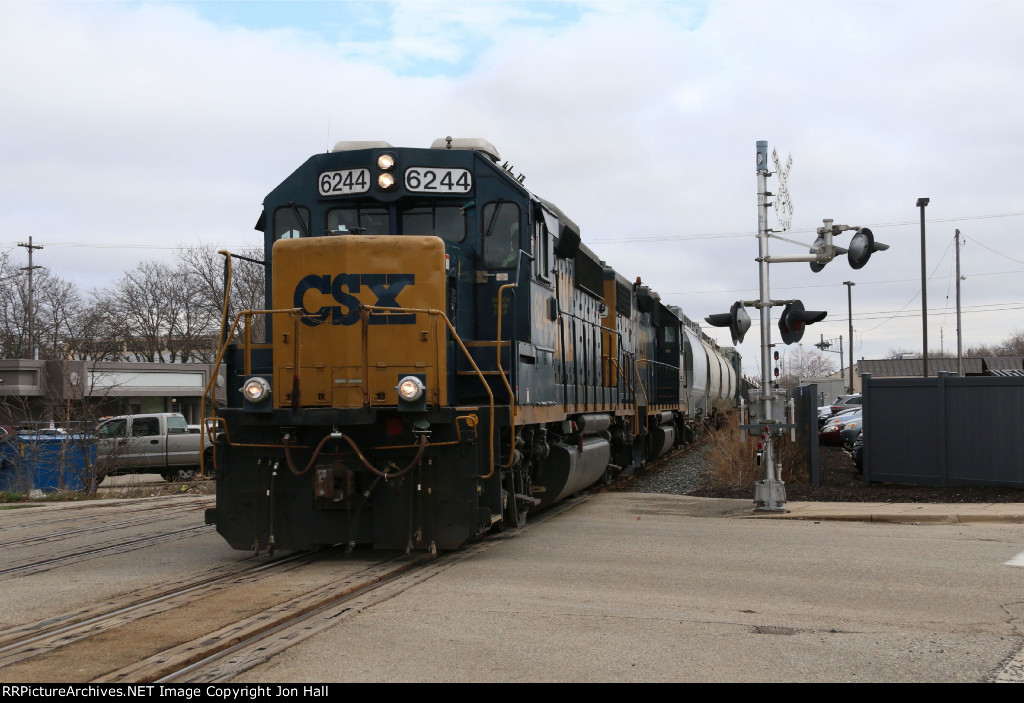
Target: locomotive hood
352, 348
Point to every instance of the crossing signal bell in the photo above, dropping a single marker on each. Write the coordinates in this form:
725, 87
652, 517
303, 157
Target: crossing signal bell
794, 319
737, 320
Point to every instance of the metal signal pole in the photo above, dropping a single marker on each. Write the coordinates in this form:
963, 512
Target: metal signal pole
849, 304
770, 492
923, 203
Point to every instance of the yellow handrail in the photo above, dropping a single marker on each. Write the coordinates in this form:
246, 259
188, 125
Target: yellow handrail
367, 309
210, 385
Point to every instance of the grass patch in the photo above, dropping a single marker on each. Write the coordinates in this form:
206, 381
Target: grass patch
732, 460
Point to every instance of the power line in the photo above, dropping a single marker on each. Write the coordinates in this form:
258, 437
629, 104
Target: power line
726, 235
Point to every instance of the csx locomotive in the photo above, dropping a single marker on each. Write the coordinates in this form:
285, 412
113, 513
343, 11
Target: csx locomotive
440, 355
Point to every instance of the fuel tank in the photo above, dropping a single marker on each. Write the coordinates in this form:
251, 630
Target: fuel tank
569, 469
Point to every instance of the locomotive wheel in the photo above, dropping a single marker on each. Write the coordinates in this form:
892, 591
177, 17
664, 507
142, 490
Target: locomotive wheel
181, 475
512, 515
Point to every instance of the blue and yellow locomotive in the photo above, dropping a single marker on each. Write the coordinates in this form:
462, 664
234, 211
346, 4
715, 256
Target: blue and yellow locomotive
440, 354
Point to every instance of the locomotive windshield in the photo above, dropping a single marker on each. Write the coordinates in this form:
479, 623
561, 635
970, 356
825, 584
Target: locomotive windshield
369, 220
445, 221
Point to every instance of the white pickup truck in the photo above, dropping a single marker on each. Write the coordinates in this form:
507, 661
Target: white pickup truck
154, 443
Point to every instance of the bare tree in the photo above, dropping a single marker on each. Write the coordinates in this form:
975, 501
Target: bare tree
1012, 345
203, 269
56, 305
802, 362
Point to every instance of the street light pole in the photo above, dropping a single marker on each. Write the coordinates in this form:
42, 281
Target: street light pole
923, 203
849, 304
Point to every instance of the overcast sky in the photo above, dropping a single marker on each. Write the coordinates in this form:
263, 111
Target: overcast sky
130, 128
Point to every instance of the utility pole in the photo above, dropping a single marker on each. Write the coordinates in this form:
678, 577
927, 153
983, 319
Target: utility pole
826, 344
959, 331
31, 309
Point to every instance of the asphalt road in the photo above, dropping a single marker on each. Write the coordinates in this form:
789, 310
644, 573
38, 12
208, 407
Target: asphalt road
645, 588
632, 587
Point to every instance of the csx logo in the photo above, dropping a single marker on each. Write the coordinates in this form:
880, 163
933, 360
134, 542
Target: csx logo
344, 288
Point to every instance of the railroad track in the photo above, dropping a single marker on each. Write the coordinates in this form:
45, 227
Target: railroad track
55, 513
192, 630
101, 523
106, 546
132, 640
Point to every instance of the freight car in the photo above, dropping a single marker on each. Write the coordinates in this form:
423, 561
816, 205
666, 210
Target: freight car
439, 355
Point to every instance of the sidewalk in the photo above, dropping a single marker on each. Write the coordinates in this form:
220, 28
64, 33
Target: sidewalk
913, 513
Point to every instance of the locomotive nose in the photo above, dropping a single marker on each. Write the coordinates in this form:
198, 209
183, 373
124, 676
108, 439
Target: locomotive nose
369, 318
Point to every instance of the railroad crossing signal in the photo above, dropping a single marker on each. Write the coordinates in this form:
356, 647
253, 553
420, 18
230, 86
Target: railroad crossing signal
737, 320
862, 246
795, 319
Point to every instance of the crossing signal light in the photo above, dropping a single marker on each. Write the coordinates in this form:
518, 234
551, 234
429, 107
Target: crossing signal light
818, 244
737, 320
862, 245
794, 319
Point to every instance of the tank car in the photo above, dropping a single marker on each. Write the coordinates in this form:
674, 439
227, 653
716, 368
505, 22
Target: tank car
439, 355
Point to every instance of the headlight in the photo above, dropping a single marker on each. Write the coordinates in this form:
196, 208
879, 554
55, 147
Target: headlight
385, 162
386, 181
410, 389
255, 389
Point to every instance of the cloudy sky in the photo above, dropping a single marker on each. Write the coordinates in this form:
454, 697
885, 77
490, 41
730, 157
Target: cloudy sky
130, 128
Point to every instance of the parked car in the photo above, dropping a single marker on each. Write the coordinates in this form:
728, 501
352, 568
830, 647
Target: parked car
831, 433
845, 402
857, 452
851, 430
824, 413
154, 443
50, 432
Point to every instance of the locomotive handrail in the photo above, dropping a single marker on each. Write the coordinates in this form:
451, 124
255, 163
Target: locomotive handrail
651, 362
632, 391
225, 342
640, 385
455, 335
585, 321
513, 409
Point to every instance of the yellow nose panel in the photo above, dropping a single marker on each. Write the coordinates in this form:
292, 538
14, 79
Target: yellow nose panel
350, 356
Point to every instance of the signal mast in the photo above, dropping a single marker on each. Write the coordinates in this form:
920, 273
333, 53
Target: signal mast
774, 414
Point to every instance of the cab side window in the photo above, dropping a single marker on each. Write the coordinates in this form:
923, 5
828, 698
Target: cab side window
114, 428
501, 235
145, 426
543, 243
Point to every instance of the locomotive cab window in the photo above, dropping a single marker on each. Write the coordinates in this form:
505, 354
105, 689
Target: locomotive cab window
543, 243
501, 235
291, 222
445, 221
365, 220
